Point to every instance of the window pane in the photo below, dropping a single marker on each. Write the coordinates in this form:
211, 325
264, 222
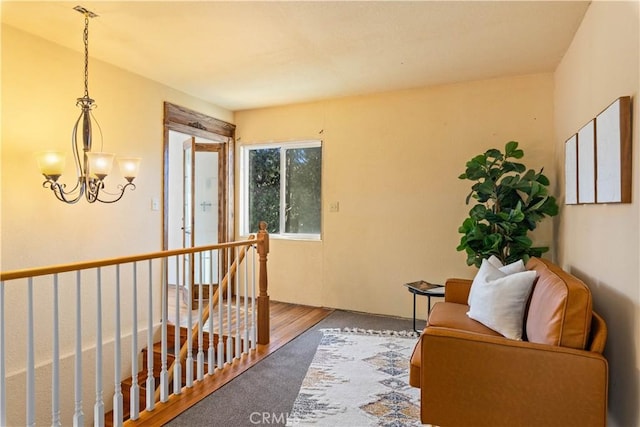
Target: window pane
302, 188
264, 189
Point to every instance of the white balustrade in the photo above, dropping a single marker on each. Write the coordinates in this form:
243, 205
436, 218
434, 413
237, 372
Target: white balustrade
31, 384
237, 321
3, 387
134, 390
164, 376
200, 358
78, 415
245, 299
151, 382
211, 363
55, 371
117, 359
98, 408
177, 367
189, 362
254, 328
231, 324
220, 314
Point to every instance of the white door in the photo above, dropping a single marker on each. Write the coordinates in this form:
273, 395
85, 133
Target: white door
202, 191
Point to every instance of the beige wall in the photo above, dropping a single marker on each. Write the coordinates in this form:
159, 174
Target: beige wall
600, 243
40, 84
392, 161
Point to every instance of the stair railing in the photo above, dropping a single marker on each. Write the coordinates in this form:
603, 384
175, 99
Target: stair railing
196, 331
76, 310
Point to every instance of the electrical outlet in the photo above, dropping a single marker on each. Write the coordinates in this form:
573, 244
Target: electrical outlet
155, 204
334, 207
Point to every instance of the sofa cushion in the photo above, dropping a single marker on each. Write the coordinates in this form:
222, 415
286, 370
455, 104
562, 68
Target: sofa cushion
561, 307
498, 300
445, 315
454, 316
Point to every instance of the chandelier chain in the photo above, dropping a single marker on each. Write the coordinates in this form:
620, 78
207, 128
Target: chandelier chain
86, 55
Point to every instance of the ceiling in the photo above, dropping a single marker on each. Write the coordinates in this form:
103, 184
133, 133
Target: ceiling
242, 55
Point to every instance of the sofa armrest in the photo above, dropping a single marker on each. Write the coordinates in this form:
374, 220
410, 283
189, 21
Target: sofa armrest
457, 290
474, 379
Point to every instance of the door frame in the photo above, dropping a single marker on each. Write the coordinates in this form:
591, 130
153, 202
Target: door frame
192, 123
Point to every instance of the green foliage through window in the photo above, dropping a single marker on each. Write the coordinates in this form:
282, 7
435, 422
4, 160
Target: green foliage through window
302, 210
264, 189
283, 188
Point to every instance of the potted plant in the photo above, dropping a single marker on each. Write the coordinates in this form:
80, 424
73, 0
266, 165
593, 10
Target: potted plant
509, 203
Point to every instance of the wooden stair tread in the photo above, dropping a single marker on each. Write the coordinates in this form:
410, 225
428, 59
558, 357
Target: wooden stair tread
157, 366
285, 321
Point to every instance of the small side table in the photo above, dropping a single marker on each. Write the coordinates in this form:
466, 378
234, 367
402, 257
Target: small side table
427, 289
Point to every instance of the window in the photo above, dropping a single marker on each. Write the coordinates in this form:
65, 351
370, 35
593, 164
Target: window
281, 184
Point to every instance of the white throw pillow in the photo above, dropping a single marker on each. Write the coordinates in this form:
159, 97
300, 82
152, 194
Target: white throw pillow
514, 267
499, 300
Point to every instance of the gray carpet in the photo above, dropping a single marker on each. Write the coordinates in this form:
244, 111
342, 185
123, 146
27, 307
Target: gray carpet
264, 394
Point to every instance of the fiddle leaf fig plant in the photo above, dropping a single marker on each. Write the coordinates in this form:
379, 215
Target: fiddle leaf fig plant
509, 202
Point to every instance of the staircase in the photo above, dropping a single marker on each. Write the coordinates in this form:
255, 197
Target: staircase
156, 353
142, 279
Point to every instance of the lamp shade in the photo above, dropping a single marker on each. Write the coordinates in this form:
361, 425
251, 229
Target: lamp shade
51, 163
100, 164
129, 167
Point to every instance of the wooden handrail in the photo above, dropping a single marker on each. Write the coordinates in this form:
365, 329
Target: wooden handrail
62, 268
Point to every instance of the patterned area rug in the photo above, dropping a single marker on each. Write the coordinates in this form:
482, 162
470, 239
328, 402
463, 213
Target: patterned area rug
359, 378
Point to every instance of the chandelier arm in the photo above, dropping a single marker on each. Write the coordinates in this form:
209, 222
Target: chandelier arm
57, 188
58, 191
119, 196
120, 189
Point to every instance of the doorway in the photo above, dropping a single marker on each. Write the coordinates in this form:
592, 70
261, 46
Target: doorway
198, 187
195, 187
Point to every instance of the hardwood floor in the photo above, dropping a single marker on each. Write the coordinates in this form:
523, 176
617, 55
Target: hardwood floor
287, 322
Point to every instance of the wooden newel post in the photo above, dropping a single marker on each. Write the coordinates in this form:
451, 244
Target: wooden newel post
263, 296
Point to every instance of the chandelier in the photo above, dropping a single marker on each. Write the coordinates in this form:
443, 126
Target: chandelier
92, 167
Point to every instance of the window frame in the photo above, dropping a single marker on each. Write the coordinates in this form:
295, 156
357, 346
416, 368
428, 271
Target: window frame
245, 149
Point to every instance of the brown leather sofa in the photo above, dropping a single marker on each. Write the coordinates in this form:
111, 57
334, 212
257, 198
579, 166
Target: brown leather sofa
470, 375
